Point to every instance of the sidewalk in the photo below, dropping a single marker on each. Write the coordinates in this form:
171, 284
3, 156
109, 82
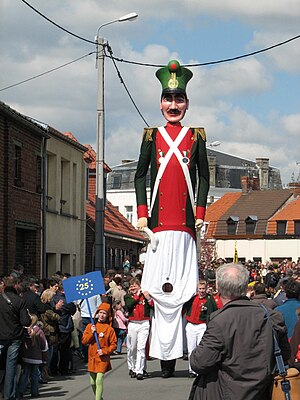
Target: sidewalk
119, 386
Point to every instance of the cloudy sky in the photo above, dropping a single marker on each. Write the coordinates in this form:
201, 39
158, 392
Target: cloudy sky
250, 105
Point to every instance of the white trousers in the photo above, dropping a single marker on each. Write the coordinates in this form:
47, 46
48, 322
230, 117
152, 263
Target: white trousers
137, 335
194, 335
175, 262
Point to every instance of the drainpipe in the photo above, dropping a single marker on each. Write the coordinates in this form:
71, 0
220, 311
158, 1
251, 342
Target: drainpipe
44, 271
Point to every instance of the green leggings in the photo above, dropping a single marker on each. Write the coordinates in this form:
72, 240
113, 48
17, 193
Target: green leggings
96, 380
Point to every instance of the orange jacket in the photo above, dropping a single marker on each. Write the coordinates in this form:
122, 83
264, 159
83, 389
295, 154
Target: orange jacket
108, 343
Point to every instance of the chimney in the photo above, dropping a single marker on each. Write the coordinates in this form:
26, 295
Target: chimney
212, 162
263, 172
249, 184
295, 188
244, 183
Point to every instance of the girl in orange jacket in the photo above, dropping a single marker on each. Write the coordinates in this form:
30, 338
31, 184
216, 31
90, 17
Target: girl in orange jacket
99, 359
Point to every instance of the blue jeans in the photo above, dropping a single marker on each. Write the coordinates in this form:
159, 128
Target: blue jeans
84, 348
11, 348
29, 371
121, 336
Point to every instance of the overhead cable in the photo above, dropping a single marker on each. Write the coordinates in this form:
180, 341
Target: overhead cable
58, 26
159, 65
214, 62
123, 83
47, 72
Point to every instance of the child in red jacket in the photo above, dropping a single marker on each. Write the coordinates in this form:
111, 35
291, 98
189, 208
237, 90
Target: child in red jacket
99, 359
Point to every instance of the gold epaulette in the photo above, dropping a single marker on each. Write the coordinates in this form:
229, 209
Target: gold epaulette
148, 134
199, 132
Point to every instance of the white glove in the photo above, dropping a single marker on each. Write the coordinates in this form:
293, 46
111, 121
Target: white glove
153, 239
198, 224
142, 223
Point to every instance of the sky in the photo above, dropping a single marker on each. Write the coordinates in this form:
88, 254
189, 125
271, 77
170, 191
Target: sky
250, 105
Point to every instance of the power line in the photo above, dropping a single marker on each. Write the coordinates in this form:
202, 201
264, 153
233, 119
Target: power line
47, 72
123, 83
158, 65
214, 62
58, 26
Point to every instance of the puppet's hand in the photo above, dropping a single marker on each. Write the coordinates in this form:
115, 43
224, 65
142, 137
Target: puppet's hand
142, 223
198, 224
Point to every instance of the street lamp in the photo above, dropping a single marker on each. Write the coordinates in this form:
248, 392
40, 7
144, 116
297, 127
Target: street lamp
213, 144
99, 204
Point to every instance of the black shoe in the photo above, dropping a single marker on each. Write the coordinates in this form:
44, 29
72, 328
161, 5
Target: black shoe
192, 375
146, 374
167, 374
139, 377
132, 374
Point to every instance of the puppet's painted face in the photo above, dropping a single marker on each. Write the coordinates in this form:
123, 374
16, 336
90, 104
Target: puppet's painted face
173, 107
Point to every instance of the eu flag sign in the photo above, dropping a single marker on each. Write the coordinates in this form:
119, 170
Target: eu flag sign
83, 286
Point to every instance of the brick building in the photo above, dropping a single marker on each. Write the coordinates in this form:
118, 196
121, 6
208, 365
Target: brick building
22, 143
121, 238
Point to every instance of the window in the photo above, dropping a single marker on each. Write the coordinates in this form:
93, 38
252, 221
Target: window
281, 227
129, 213
38, 174
251, 222
297, 227
117, 179
51, 182
232, 224
74, 190
65, 187
18, 165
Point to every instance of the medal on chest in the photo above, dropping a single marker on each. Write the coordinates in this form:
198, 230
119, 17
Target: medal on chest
185, 158
161, 156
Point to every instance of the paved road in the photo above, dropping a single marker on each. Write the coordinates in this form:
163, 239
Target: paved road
119, 386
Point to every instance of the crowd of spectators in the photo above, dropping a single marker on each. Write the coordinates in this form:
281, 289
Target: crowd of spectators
31, 306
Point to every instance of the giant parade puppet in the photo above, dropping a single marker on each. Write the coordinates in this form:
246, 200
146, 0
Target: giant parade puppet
179, 180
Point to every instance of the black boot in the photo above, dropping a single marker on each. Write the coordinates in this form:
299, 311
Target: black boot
167, 368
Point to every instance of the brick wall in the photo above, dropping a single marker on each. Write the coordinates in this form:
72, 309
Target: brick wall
20, 207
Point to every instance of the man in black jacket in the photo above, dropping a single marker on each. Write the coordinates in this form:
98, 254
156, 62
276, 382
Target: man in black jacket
13, 316
32, 299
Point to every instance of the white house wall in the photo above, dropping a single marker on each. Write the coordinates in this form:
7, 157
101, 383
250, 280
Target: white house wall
65, 232
265, 249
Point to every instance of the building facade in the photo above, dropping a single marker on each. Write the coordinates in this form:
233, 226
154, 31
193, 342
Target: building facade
65, 204
22, 148
262, 225
121, 239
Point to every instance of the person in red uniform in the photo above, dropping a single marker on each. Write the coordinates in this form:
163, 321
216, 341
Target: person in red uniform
178, 160
198, 310
138, 304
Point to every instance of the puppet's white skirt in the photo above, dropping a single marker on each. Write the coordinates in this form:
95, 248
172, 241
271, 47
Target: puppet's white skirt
174, 262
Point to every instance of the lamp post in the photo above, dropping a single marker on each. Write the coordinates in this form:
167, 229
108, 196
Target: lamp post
213, 144
100, 195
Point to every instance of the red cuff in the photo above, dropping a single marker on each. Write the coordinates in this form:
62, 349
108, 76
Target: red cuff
142, 211
200, 212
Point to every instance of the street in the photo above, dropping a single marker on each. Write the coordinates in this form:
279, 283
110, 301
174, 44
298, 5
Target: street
118, 385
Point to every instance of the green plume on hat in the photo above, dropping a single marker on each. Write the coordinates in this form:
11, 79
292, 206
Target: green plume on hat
173, 77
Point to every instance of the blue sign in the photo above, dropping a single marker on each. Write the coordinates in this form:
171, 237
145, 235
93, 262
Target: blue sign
83, 286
